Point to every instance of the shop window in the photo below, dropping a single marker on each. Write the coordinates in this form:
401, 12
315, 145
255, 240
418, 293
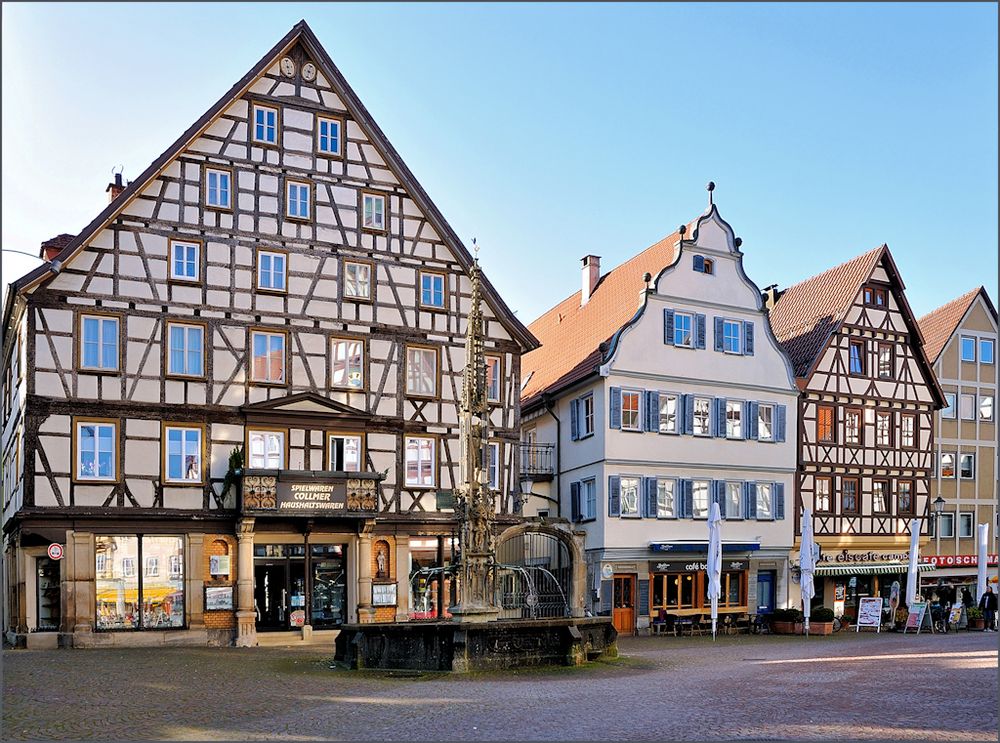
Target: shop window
47, 594
421, 371
267, 450
344, 452
329, 585
126, 600
348, 367
673, 591
731, 593
431, 588
421, 462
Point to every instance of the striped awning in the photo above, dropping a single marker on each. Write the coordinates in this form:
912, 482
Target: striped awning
870, 568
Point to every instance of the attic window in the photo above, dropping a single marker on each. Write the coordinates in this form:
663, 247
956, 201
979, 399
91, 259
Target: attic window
703, 264
875, 296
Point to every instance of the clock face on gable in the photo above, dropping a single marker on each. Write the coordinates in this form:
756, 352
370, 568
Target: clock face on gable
308, 72
287, 66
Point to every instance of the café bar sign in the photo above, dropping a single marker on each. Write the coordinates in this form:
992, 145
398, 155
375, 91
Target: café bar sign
304, 494
693, 566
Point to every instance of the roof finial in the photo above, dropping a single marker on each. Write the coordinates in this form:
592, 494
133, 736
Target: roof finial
475, 249
710, 187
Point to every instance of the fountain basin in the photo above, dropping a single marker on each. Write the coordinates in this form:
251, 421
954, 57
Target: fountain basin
476, 646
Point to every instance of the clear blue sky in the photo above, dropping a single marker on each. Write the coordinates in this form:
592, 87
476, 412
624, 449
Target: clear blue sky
552, 131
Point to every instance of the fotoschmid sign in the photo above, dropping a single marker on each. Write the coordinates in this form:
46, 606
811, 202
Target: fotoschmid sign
950, 561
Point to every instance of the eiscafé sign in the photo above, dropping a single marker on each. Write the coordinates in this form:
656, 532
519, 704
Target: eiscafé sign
951, 561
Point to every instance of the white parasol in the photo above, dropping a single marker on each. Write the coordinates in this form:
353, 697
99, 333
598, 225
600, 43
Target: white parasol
982, 542
911, 573
807, 566
713, 565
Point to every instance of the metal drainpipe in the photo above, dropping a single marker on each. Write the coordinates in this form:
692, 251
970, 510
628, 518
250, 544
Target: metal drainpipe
547, 402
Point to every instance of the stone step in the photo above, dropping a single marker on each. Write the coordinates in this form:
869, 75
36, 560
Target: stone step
295, 638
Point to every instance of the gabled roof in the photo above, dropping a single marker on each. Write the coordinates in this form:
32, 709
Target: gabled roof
809, 312
300, 33
940, 324
572, 336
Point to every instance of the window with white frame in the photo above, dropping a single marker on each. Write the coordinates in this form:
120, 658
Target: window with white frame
734, 419
702, 416
184, 260
699, 498
731, 332
630, 410
99, 342
328, 133
588, 499
431, 289
587, 415
102, 564
183, 454
176, 566
967, 466
218, 188
493, 466
152, 567
265, 124
734, 500
764, 506
907, 430
668, 413
96, 450
297, 199
986, 407
683, 323
630, 495
186, 349
421, 371
823, 495
968, 346
348, 363
343, 452
967, 407
965, 530
357, 280
948, 411
493, 379
128, 567
268, 363
666, 501
271, 271
947, 465
374, 211
946, 525
267, 450
765, 422
986, 349
421, 463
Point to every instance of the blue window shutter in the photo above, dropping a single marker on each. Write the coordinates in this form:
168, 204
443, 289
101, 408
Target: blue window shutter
750, 410
642, 411
699, 263
687, 499
688, 414
749, 501
574, 495
700, 334
643, 597
616, 407
653, 410
719, 329
614, 496
748, 338
607, 586
574, 419
650, 499
720, 496
779, 422
778, 494
719, 416
668, 327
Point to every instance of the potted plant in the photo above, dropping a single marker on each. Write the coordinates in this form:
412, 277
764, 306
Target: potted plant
975, 617
783, 621
821, 621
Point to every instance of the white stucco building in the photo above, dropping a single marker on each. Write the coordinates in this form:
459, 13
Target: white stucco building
662, 389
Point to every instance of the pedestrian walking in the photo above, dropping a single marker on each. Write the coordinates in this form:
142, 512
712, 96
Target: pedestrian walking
988, 603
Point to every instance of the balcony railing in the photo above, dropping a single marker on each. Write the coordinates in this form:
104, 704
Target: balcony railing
536, 461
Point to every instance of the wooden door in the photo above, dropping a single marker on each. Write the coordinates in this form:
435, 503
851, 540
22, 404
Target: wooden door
623, 605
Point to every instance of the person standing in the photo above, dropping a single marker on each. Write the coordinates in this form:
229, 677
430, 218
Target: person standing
967, 600
988, 603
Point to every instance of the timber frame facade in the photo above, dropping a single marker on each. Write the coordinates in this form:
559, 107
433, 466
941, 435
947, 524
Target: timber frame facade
210, 297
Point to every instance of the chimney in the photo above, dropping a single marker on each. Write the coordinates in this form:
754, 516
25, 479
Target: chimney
771, 295
53, 246
591, 275
114, 189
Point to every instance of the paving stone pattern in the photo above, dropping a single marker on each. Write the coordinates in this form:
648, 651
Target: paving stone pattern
761, 688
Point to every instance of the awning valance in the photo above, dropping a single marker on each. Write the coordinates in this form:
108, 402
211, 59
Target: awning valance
870, 568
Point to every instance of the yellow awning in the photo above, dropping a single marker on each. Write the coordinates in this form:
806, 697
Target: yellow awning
149, 593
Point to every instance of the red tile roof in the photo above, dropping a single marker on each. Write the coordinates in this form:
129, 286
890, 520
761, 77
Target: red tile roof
572, 336
808, 312
940, 324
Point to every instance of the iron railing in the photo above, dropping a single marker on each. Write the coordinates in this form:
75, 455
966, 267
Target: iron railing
536, 460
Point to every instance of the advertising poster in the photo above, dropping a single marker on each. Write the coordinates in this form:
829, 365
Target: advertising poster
869, 612
916, 616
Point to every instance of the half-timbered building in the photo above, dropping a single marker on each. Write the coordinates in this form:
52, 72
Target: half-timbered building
659, 389
275, 301
866, 423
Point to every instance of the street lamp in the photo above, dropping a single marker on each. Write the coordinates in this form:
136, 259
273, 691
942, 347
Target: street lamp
938, 510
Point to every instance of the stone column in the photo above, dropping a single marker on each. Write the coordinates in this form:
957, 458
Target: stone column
366, 612
194, 581
78, 587
246, 617
402, 578
580, 591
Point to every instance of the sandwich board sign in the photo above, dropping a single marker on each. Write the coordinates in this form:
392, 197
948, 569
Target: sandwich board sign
915, 619
869, 613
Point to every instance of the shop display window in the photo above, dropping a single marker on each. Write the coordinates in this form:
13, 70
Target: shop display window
128, 599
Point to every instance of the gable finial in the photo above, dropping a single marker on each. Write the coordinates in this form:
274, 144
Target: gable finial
475, 249
710, 187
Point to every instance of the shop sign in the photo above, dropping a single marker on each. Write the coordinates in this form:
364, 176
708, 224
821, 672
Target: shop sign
218, 598
291, 494
55, 551
870, 556
693, 566
383, 594
869, 612
950, 561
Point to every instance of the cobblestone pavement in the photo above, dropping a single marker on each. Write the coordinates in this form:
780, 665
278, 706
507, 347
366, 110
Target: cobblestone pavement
763, 688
